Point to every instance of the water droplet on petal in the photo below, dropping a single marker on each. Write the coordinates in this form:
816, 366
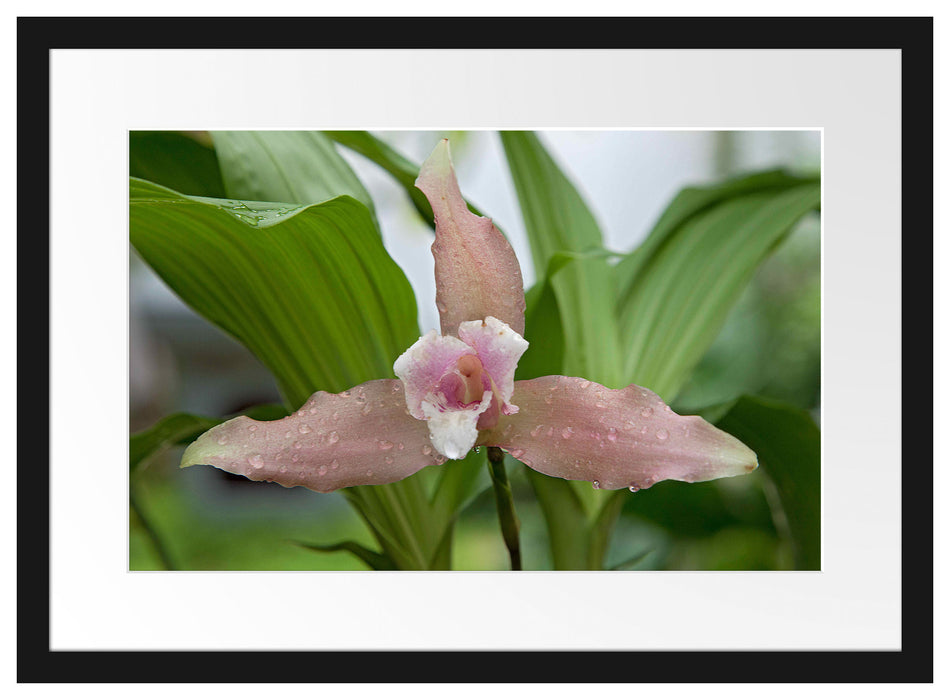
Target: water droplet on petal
634, 488
322, 471
388, 460
222, 440
333, 438
283, 470
384, 444
298, 445
584, 384
646, 412
334, 464
612, 435
567, 433
595, 484
294, 458
537, 431
256, 461
304, 428
251, 428
426, 450
366, 409
517, 453
662, 434
313, 410
287, 434
601, 404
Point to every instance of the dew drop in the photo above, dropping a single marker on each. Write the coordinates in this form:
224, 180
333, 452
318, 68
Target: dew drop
256, 461
662, 434
584, 384
366, 409
287, 434
551, 432
646, 412
537, 431
294, 458
600, 404
334, 464
612, 435
298, 445
634, 488
595, 484
322, 471
426, 450
333, 437
567, 433
222, 440
251, 428
400, 446
384, 444
345, 394
517, 453
313, 410
388, 460
304, 429
283, 470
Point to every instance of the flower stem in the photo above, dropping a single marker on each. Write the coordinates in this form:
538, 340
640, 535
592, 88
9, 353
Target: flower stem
505, 504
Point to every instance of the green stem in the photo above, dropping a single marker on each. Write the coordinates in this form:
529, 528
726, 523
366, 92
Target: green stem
152, 534
505, 504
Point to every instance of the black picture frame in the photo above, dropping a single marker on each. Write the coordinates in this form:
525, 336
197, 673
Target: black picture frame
36, 37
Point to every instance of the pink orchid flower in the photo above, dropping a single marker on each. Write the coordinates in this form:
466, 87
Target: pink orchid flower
457, 390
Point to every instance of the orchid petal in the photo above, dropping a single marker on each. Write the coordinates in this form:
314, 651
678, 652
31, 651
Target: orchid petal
424, 364
358, 437
476, 272
499, 348
454, 433
615, 438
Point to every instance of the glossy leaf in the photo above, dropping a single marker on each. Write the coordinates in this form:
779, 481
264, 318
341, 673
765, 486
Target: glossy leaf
176, 160
690, 272
309, 289
558, 221
788, 444
285, 166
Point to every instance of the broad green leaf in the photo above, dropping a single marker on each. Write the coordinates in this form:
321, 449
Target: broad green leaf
558, 222
690, 202
183, 428
176, 160
401, 168
690, 274
788, 444
310, 290
579, 531
285, 166
545, 353
374, 560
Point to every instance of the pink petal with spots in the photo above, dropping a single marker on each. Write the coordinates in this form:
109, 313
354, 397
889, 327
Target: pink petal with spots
358, 437
615, 438
476, 272
424, 364
499, 348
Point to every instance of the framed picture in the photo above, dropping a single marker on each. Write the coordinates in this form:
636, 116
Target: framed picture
708, 210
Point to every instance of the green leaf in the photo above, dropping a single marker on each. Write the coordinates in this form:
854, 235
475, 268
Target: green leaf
285, 166
545, 353
788, 444
558, 222
691, 270
374, 560
176, 160
310, 290
183, 428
